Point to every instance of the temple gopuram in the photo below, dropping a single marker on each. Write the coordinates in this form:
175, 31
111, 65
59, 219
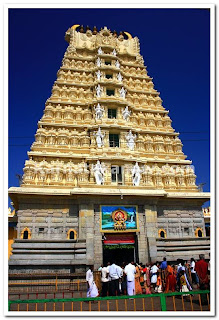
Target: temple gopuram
106, 177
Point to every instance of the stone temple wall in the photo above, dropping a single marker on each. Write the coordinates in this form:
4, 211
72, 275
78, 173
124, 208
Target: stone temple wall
50, 219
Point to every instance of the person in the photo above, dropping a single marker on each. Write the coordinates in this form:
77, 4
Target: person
138, 289
147, 282
100, 268
179, 268
92, 290
130, 272
193, 272
158, 288
163, 264
115, 273
105, 280
170, 279
123, 280
201, 267
141, 267
183, 283
153, 272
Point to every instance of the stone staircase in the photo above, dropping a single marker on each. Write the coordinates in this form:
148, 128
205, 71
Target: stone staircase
185, 248
48, 255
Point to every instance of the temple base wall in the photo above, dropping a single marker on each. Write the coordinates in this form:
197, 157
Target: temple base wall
49, 219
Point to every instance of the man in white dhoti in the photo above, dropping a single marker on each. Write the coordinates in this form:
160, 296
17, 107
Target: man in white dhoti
130, 271
92, 290
154, 270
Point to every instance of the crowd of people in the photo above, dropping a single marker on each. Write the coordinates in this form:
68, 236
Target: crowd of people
136, 278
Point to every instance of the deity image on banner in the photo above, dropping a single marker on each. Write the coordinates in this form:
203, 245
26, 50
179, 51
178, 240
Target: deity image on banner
119, 218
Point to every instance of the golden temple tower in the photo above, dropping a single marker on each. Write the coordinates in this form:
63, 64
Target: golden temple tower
105, 139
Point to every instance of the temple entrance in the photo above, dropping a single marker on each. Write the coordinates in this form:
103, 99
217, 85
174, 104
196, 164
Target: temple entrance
120, 248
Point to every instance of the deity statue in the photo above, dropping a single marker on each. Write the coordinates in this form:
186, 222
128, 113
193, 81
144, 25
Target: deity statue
99, 74
117, 64
122, 92
130, 140
99, 173
99, 138
114, 52
98, 62
119, 77
99, 91
136, 175
99, 111
100, 51
126, 113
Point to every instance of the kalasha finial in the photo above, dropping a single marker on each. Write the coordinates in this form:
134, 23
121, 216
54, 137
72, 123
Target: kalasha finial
82, 29
95, 30
87, 28
115, 33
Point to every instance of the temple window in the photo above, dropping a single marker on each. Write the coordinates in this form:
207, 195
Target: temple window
116, 174
112, 113
26, 234
199, 233
113, 140
110, 92
72, 234
109, 76
108, 62
162, 233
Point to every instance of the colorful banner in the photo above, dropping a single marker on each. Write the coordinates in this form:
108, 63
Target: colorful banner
119, 218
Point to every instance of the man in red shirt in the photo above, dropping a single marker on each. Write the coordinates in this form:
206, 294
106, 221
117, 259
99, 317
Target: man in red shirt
201, 267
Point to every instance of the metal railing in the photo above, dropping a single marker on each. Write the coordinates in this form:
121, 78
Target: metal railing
31, 283
175, 301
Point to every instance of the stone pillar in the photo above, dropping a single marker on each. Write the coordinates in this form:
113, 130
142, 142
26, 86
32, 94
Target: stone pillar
142, 240
151, 227
98, 248
86, 229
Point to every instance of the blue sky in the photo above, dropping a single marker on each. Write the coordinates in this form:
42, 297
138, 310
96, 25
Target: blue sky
175, 44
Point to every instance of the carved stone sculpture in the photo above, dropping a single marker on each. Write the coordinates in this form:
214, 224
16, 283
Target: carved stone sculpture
99, 111
99, 90
99, 138
136, 175
126, 113
99, 173
130, 140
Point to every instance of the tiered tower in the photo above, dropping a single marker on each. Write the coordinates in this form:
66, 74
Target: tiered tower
105, 132
104, 107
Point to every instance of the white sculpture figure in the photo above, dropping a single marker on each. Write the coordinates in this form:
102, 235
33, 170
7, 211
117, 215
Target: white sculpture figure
126, 113
99, 138
98, 62
119, 77
99, 173
130, 140
117, 64
99, 91
136, 175
100, 51
99, 111
122, 92
114, 52
98, 74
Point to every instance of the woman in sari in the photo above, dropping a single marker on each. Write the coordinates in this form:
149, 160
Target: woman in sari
147, 282
170, 279
138, 289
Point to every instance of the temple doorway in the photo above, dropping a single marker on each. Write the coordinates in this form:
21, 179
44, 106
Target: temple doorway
120, 248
